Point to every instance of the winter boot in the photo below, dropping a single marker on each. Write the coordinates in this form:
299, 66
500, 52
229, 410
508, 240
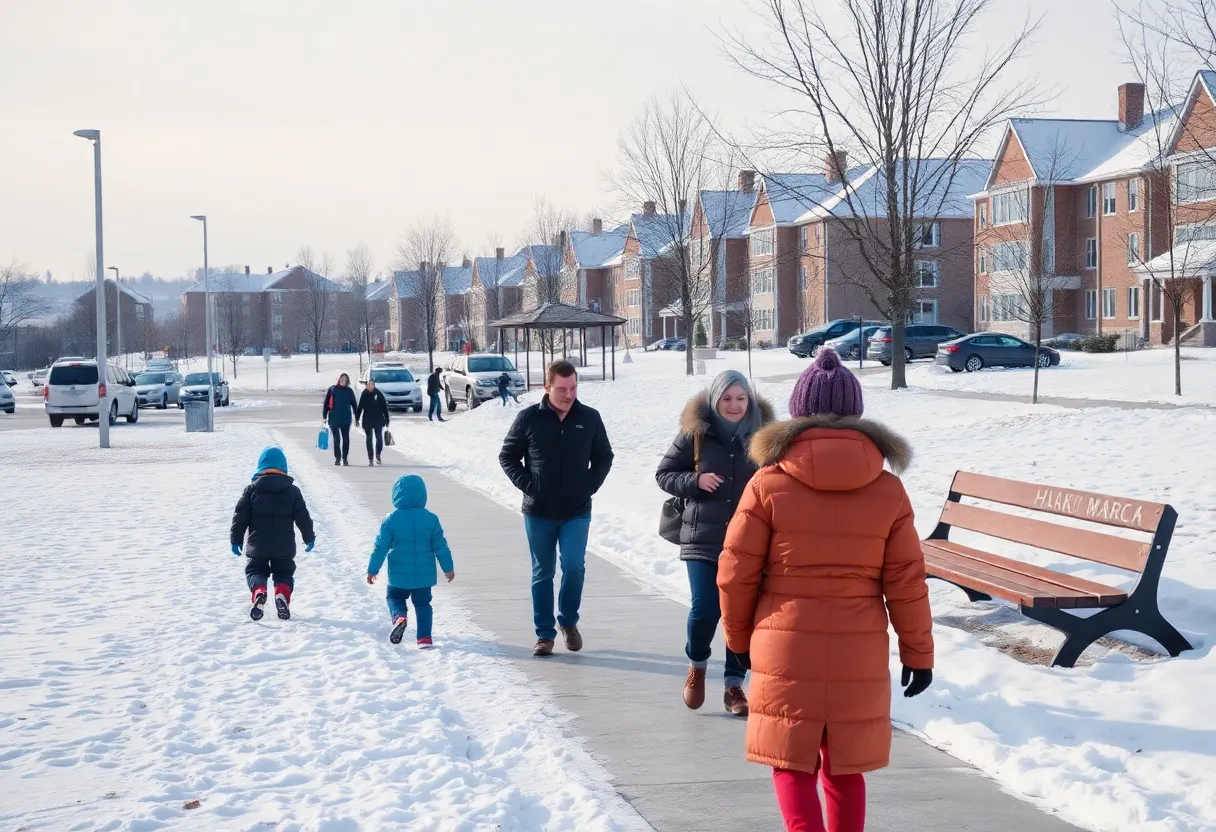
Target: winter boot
371, 463
259, 601
544, 647
378, 462
425, 643
282, 600
735, 701
573, 639
345, 461
337, 461
694, 688
399, 625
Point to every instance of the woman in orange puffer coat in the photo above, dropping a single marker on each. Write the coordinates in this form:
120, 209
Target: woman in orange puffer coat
821, 550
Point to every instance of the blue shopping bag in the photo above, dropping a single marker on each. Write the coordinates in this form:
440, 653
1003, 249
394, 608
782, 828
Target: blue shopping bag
323, 440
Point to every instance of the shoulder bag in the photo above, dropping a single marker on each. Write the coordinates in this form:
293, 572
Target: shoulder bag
671, 515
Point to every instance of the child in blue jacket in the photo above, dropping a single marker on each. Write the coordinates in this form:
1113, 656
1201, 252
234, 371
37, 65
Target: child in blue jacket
412, 540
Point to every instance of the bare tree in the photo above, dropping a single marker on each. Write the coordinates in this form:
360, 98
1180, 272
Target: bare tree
319, 301
546, 230
21, 301
233, 324
423, 253
744, 315
174, 333
885, 79
359, 317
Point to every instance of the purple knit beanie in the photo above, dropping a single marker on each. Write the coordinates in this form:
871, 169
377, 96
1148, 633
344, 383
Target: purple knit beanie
826, 388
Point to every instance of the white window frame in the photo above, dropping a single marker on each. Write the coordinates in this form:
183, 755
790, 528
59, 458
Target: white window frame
1110, 303
983, 215
1003, 262
804, 239
1133, 247
762, 242
764, 320
935, 235
1194, 181
802, 277
919, 317
1091, 202
983, 263
633, 268
981, 309
1133, 303
1011, 207
1110, 205
764, 281
1091, 252
921, 268
1091, 304
1133, 195
1190, 232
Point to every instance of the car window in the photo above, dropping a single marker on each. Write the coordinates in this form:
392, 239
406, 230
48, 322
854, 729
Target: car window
984, 341
491, 364
396, 375
1009, 341
73, 374
152, 378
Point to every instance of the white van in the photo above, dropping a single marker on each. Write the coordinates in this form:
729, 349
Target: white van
72, 391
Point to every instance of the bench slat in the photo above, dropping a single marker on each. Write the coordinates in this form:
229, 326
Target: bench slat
1095, 547
978, 576
1105, 596
1063, 502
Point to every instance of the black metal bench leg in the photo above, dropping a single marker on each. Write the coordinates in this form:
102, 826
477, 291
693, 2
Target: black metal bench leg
1082, 632
973, 595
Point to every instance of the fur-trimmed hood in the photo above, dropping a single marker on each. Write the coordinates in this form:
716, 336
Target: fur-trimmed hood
776, 445
696, 419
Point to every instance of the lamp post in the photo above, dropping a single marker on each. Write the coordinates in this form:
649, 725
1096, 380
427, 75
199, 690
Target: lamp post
207, 325
103, 403
117, 313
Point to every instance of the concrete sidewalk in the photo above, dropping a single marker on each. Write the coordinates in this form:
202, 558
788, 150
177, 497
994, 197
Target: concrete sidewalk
683, 771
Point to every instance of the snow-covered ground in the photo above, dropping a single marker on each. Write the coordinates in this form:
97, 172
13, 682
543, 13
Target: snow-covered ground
132, 681
1127, 741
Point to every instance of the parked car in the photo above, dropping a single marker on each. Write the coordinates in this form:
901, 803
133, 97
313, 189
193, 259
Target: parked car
473, 379
1065, 341
72, 390
920, 341
38, 377
160, 365
158, 390
663, 344
194, 389
401, 390
805, 344
856, 344
10, 378
8, 402
991, 349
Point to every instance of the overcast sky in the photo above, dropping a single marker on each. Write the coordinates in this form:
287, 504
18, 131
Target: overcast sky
292, 122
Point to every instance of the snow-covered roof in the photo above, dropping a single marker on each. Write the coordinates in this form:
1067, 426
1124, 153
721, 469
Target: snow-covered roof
138, 297
546, 259
790, 195
728, 213
943, 191
457, 279
242, 283
380, 290
596, 251
1195, 258
507, 272
408, 283
656, 233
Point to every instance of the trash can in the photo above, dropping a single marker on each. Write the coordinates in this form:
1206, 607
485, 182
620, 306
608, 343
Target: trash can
196, 417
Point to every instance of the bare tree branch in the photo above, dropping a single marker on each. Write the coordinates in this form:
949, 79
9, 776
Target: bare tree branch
423, 253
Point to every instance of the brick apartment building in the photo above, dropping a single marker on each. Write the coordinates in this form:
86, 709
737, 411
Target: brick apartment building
719, 226
1105, 211
497, 291
453, 312
592, 269
804, 255
135, 313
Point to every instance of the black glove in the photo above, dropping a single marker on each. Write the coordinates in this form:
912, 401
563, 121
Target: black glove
920, 679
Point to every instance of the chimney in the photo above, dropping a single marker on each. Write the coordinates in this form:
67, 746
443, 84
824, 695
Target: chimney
597, 226
648, 208
1131, 106
464, 264
499, 253
747, 181
246, 270
422, 268
835, 165
270, 270
561, 241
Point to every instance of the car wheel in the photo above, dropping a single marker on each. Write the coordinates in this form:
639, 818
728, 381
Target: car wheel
79, 420
180, 405
113, 420
56, 421
855, 352
133, 416
1044, 360
974, 364
451, 402
885, 363
471, 400
164, 402
418, 408
908, 356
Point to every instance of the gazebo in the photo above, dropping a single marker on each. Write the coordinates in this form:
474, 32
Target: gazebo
550, 317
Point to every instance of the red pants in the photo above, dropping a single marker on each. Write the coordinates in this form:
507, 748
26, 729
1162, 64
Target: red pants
844, 794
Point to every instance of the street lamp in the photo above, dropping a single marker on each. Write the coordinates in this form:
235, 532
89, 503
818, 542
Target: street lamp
103, 403
207, 324
117, 313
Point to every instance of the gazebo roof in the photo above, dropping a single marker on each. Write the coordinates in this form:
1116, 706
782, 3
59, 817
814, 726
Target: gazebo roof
556, 316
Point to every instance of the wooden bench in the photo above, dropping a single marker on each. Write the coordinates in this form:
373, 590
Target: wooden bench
1044, 594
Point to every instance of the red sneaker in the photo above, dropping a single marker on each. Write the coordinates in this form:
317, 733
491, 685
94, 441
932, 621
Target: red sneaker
425, 644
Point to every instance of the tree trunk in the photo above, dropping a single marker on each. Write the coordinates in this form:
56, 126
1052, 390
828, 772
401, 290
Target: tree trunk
316, 357
1038, 346
689, 340
1177, 349
899, 376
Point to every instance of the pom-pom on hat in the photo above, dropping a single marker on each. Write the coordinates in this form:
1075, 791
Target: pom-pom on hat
826, 387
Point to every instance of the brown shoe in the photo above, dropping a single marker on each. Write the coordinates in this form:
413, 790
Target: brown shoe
735, 701
573, 639
694, 688
544, 647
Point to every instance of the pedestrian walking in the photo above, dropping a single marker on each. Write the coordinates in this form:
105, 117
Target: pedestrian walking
338, 412
820, 552
372, 411
432, 390
557, 453
709, 468
504, 389
269, 511
411, 539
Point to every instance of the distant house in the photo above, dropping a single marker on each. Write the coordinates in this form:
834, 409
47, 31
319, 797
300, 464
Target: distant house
592, 266
135, 312
719, 242
458, 325
497, 291
450, 314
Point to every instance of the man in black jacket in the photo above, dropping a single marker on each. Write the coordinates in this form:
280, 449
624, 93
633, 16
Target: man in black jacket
432, 390
268, 509
557, 453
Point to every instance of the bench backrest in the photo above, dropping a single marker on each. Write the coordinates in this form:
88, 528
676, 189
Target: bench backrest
1094, 546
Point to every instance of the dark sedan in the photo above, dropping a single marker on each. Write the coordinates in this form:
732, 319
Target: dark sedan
989, 349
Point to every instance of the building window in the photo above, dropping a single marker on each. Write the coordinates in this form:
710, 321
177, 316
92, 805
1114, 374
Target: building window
928, 235
633, 268
276, 299
981, 308
818, 235
1008, 308
1133, 302
633, 326
1091, 253
1110, 299
1091, 304
924, 311
1133, 247
1195, 231
277, 321
1156, 301
1091, 202
927, 274
1196, 181
762, 282
982, 259
803, 238
1133, 195
1011, 207
762, 242
633, 297
983, 215
764, 320
1011, 256
802, 270
1108, 198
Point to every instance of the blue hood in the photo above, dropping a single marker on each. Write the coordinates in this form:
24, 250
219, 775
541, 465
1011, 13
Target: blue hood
409, 492
274, 458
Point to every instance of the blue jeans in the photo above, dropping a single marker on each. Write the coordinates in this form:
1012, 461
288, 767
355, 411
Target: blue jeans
504, 394
436, 408
703, 620
545, 537
423, 614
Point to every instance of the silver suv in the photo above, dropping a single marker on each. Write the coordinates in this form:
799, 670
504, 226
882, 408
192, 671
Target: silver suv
72, 390
473, 379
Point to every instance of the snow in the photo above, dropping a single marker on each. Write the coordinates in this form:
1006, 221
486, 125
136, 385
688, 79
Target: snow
134, 681
298, 374
1122, 742
595, 251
